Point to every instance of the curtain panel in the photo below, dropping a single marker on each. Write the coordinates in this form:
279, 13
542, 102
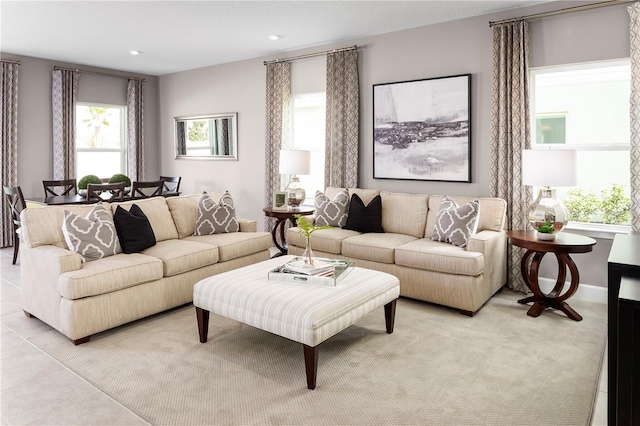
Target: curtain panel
9, 143
510, 132
64, 94
342, 120
634, 36
135, 130
277, 119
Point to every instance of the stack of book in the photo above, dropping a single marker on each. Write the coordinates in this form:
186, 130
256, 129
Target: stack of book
323, 271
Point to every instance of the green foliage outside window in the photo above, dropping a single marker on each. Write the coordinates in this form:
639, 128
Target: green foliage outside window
97, 119
612, 206
198, 131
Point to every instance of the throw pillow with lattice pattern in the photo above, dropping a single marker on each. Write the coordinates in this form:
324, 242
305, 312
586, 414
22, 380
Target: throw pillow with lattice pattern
216, 218
455, 224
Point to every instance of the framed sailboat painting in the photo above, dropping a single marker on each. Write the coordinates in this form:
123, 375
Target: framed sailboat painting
422, 129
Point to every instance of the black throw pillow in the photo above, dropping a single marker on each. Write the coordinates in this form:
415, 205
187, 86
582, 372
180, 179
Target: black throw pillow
365, 218
134, 230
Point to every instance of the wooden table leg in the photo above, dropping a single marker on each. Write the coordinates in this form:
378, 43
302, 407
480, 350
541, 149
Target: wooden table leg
311, 365
278, 229
390, 315
203, 324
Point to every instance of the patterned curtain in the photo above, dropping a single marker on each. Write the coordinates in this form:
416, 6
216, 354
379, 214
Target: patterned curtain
181, 142
9, 143
64, 93
510, 132
135, 129
634, 14
276, 127
342, 126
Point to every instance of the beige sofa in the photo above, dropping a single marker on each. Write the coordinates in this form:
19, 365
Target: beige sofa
80, 299
433, 271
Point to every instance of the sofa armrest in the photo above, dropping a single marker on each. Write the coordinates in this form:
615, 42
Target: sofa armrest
247, 225
53, 260
493, 245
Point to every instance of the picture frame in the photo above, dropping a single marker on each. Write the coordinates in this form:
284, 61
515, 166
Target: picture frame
422, 129
280, 201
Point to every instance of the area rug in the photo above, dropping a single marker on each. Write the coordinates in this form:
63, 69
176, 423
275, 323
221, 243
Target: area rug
500, 367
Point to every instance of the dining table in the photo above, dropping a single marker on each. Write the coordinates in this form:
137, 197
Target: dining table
60, 200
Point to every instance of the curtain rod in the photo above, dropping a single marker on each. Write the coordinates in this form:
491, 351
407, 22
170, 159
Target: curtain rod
309, 55
98, 73
10, 61
561, 11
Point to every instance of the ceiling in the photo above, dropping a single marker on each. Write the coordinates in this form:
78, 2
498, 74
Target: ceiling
181, 35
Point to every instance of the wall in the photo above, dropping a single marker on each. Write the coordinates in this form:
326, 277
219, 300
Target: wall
451, 48
35, 149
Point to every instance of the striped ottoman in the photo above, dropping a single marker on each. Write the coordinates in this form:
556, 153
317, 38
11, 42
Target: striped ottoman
305, 313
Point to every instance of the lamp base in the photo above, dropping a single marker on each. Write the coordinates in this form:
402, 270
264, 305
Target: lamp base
547, 208
295, 193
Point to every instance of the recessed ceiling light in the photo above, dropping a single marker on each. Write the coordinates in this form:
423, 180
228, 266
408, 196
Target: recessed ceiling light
274, 37
135, 52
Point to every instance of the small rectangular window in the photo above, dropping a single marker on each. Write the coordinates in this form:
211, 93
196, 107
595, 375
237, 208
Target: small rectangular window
308, 113
100, 140
586, 107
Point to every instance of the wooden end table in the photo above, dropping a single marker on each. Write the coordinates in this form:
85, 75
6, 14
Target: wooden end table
564, 244
281, 217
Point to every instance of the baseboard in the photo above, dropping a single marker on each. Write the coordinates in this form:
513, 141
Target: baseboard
586, 292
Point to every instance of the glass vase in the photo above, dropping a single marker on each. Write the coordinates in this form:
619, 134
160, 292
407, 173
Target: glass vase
308, 253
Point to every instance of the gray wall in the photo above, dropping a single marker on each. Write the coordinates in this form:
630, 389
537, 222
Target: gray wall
458, 47
35, 152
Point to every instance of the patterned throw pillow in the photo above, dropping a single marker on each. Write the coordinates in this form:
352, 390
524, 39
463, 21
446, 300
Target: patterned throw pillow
332, 212
134, 230
365, 218
93, 237
216, 218
455, 224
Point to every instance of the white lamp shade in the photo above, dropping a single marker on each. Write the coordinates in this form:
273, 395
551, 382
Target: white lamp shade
295, 162
549, 167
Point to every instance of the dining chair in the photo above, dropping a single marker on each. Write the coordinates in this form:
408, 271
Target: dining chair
16, 205
53, 188
171, 183
146, 189
95, 191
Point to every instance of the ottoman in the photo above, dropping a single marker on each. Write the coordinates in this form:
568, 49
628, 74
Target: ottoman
305, 313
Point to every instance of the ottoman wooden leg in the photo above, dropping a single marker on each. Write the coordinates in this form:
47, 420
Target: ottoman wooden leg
203, 324
390, 315
311, 365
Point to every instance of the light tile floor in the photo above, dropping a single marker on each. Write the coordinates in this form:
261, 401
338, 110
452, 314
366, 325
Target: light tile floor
35, 389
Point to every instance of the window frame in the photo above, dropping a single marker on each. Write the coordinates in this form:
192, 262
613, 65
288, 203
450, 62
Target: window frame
596, 230
123, 135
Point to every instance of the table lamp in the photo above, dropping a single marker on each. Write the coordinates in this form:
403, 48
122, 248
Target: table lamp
295, 162
547, 169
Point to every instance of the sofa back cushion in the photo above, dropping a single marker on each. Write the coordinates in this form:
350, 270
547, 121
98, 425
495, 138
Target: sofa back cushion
157, 211
184, 210
404, 213
43, 226
366, 195
493, 212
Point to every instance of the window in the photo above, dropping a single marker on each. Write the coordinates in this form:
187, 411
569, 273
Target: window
100, 140
586, 107
308, 131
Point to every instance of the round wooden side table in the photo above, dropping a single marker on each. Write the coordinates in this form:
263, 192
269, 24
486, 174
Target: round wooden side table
281, 217
564, 244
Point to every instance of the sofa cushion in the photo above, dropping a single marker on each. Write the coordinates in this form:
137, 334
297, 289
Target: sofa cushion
455, 224
332, 211
439, 257
326, 240
92, 237
404, 213
109, 274
493, 212
216, 217
184, 211
157, 211
180, 256
374, 247
365, 218
134, 230
236, 244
